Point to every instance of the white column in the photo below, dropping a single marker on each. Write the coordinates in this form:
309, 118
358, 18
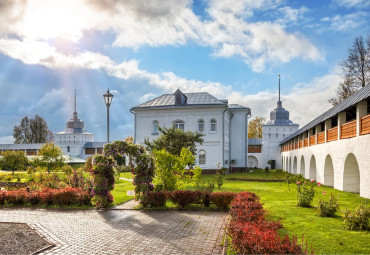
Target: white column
361, 111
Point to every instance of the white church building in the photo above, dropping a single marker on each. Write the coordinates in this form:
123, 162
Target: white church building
224, 125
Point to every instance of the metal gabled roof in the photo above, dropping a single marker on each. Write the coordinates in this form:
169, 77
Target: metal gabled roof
360, 95
92, 145
21, 146
237, 106
193, 99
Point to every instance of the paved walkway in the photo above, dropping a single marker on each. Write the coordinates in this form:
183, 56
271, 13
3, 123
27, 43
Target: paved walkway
124, 231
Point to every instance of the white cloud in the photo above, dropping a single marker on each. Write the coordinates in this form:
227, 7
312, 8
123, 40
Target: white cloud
7, 140
345, 22
353, 3
291, 15
158, 23
304, 102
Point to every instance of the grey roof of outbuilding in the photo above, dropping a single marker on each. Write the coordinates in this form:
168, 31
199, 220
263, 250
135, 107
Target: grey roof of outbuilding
193, 99
254, 141
237, 106
22, 146
344, 105
91, 145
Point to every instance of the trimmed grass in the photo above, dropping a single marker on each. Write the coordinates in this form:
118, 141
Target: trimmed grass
127, 175
120, 192
326, 235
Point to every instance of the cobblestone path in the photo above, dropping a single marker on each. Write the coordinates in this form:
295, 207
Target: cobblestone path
124, 231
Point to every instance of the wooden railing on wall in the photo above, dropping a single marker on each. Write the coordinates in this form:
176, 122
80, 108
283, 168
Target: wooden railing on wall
254, 150
365, 125
305, 142
312, 140
332, 134
348, 130
321, 137
301, 144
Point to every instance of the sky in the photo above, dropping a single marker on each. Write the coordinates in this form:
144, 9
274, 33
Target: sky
233, 49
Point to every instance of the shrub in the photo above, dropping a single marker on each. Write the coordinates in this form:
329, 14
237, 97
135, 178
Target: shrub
183, 198
219, 179
222, 200
155, 199
34, 197
209, 187
16, 197
357, 219
267, 169
251, 233
305, 193
47, 196
327, 209
65, 197
2, 197
67, 169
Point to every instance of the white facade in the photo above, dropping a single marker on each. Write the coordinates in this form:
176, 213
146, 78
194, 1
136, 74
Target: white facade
224, 126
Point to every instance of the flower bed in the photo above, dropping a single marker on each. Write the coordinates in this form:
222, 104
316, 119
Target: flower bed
61, 197
251, 233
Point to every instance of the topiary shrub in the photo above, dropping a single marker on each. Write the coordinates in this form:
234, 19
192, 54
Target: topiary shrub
34, 197
357, 219
222, 200
103, 179
183, 198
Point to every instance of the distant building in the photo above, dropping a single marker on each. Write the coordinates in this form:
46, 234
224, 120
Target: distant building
224, 125
75, 142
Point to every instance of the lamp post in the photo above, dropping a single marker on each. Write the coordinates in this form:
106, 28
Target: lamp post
108, 100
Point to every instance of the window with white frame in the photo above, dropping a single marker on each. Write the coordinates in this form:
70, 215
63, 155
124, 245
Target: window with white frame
179, 124
155, 127
202, 157
200, 126
213, 125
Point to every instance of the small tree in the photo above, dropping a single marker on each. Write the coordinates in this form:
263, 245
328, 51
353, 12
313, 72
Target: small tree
51, 157
255, 127
171, 173
174, 139
14, 160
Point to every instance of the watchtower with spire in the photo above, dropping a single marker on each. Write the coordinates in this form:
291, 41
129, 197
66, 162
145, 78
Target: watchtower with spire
74, 137
276, 129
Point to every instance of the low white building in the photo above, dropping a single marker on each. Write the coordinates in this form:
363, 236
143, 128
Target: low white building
334, 148
225, 126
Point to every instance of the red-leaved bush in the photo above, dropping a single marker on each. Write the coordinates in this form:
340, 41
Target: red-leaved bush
2, 197
222, 199
183, 198
155, 199
61, 197
251, 233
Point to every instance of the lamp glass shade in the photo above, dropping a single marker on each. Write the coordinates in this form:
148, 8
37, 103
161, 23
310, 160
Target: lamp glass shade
108, 98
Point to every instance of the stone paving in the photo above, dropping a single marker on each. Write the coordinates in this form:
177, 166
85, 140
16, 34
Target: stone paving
124, 231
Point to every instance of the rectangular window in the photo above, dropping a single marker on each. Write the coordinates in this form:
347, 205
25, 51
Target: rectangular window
201, 127
202, 159
334, 121
213, 127
179, 125
351, 114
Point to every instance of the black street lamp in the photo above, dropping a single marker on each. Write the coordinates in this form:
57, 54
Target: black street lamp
108, 100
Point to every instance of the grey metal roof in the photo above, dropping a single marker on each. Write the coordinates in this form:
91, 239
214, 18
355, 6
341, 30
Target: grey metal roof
193, 99
344, 105
254, 141
22, 146
91, 145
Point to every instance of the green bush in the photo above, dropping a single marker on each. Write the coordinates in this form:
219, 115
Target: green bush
305, 193
67, 169
219, 179
357, 219
328, 209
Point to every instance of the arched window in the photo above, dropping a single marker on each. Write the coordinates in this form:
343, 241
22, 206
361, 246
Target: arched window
213, 125
202, 157
68, 149
200, 126
155, 127
179, 124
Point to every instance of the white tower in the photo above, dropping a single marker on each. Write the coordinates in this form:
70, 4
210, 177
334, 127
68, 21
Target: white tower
276, 129
74, 137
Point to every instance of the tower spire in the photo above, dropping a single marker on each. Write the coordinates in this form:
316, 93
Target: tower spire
75, 101
279, 87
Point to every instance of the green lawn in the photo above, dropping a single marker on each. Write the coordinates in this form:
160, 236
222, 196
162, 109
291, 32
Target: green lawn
326, 235
120, 191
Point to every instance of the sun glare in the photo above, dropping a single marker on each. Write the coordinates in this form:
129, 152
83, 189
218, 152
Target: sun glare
55, 19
